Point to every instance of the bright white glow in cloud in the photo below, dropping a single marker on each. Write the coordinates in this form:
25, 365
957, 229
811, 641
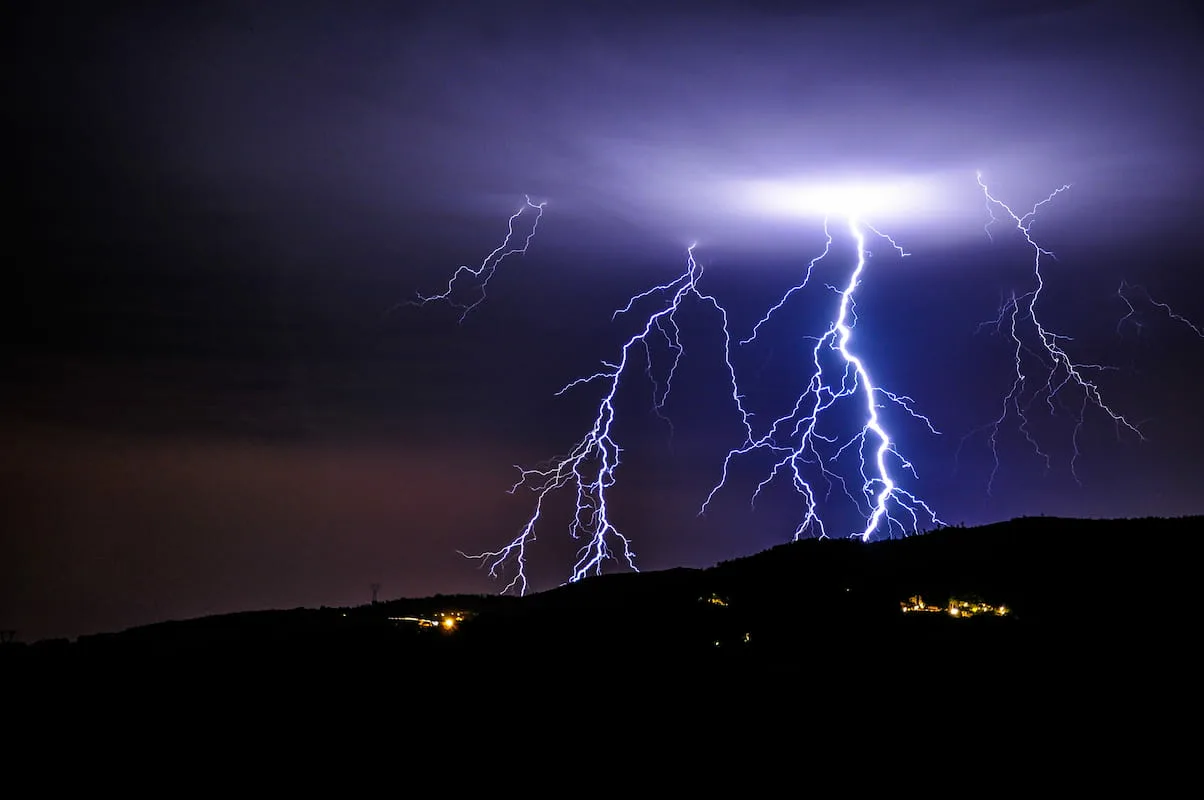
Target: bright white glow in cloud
893, 197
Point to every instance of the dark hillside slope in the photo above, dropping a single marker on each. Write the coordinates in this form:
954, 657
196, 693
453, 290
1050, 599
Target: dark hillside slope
1085, 597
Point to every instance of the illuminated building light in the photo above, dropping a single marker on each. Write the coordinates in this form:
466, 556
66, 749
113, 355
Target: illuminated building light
962, 609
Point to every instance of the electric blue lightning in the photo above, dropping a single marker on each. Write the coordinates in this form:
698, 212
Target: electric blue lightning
800, 445
478, 276
590, 467
1044, 347
816, 445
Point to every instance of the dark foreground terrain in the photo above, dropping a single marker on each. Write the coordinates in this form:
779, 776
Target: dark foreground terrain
1099, 623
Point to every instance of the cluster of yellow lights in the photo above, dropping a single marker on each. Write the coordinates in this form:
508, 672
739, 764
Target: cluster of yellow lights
447, 620
961, 609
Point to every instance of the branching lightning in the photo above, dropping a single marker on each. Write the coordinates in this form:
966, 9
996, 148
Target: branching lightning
812, 446
477, 278
1132, 316
1057, 373
801, 445
589, 468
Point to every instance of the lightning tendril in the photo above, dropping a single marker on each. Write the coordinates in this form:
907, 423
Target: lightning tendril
589, 468
1132, 316
1037, 348
478, 277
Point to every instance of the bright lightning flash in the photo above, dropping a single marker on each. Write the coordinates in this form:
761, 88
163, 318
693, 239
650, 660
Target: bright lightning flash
797, 439
1036, 344
478, 276
589, 468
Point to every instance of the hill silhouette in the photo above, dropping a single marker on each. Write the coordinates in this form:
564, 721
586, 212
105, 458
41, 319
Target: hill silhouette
1107, 599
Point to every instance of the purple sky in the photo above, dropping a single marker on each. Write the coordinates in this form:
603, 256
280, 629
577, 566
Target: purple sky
208, 408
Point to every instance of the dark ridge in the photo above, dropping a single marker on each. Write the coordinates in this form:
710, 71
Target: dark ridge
1106, 599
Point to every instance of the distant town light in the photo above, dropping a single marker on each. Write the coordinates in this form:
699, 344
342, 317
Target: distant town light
962, 609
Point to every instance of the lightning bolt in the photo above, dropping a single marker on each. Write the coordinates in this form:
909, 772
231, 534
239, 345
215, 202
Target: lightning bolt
801, 447
1132, 316
478, 277
1034, 343
589, 468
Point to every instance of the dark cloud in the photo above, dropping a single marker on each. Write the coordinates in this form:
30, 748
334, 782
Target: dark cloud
644, 113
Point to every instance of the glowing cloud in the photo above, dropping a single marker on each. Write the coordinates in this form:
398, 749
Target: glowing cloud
914, 198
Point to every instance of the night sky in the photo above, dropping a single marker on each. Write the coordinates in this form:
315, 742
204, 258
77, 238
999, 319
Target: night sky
213, 401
